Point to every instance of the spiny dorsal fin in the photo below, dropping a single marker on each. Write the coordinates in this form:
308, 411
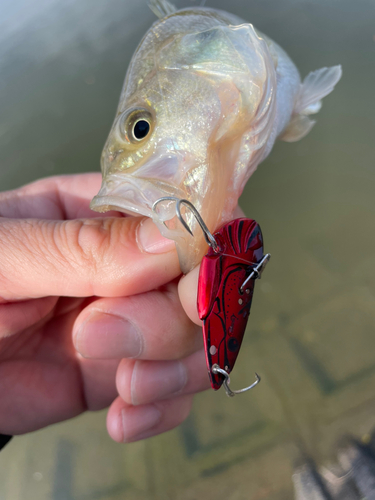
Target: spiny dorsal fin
162, 8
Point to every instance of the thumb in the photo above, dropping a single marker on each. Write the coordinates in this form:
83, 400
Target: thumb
187, 291
79, 258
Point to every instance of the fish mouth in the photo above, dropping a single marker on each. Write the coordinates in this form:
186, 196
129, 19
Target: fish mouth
135, 196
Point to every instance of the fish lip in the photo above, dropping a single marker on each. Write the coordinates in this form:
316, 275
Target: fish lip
112, 202
128, 195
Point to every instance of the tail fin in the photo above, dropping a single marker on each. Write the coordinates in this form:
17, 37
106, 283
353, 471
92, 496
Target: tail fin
315, 86
162, 8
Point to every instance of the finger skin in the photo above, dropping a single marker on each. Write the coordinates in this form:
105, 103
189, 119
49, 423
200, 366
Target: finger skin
36, 394
187, 291
143, 382
16, 316
33, 395
60, 197
79, 258
127, 424
98, 382
44, 381
162, 331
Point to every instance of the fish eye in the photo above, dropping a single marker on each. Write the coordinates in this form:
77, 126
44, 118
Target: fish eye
136, 124
141, 129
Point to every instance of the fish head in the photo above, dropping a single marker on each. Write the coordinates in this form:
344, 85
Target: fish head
186, 106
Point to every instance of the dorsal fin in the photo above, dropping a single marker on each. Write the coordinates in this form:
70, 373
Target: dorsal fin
162, 8
315, 86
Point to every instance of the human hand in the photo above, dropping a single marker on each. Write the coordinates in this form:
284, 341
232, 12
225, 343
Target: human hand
78, 294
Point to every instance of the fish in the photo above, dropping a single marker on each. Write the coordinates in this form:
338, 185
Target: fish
205, 96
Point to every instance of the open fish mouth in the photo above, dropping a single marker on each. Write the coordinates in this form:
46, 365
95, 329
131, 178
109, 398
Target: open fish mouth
135, 196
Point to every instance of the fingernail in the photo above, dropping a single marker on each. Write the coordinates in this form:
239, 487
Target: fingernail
150, 240
157, 380
108, 336
136, 421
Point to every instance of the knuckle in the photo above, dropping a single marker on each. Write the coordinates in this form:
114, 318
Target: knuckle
89, 244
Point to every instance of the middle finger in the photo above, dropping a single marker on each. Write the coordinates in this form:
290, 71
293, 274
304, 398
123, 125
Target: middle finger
151, 326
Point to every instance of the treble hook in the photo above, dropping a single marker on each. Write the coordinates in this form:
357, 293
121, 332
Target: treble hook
216, 369
207, 234
257, 271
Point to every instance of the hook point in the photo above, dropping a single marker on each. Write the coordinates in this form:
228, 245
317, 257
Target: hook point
216, 369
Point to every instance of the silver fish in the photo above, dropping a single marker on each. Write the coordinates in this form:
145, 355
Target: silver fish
205, 97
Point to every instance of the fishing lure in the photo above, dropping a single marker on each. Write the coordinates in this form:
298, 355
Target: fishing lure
227, 276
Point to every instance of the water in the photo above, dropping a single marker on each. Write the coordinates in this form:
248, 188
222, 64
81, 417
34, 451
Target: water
311, 334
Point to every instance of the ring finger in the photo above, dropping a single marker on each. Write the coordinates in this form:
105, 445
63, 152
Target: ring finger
144, 382
126, 423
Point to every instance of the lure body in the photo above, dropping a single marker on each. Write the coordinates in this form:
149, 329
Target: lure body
222, 306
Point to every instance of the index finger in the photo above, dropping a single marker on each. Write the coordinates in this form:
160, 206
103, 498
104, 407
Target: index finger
79, 258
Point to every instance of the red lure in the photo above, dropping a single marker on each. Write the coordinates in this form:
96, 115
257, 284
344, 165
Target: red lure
223, 305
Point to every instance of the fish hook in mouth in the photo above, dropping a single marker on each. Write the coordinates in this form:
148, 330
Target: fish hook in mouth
210, 239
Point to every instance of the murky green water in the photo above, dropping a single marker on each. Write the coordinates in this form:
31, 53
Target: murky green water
312, 331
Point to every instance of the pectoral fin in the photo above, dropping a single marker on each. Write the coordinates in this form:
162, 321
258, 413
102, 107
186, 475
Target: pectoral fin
315, 86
